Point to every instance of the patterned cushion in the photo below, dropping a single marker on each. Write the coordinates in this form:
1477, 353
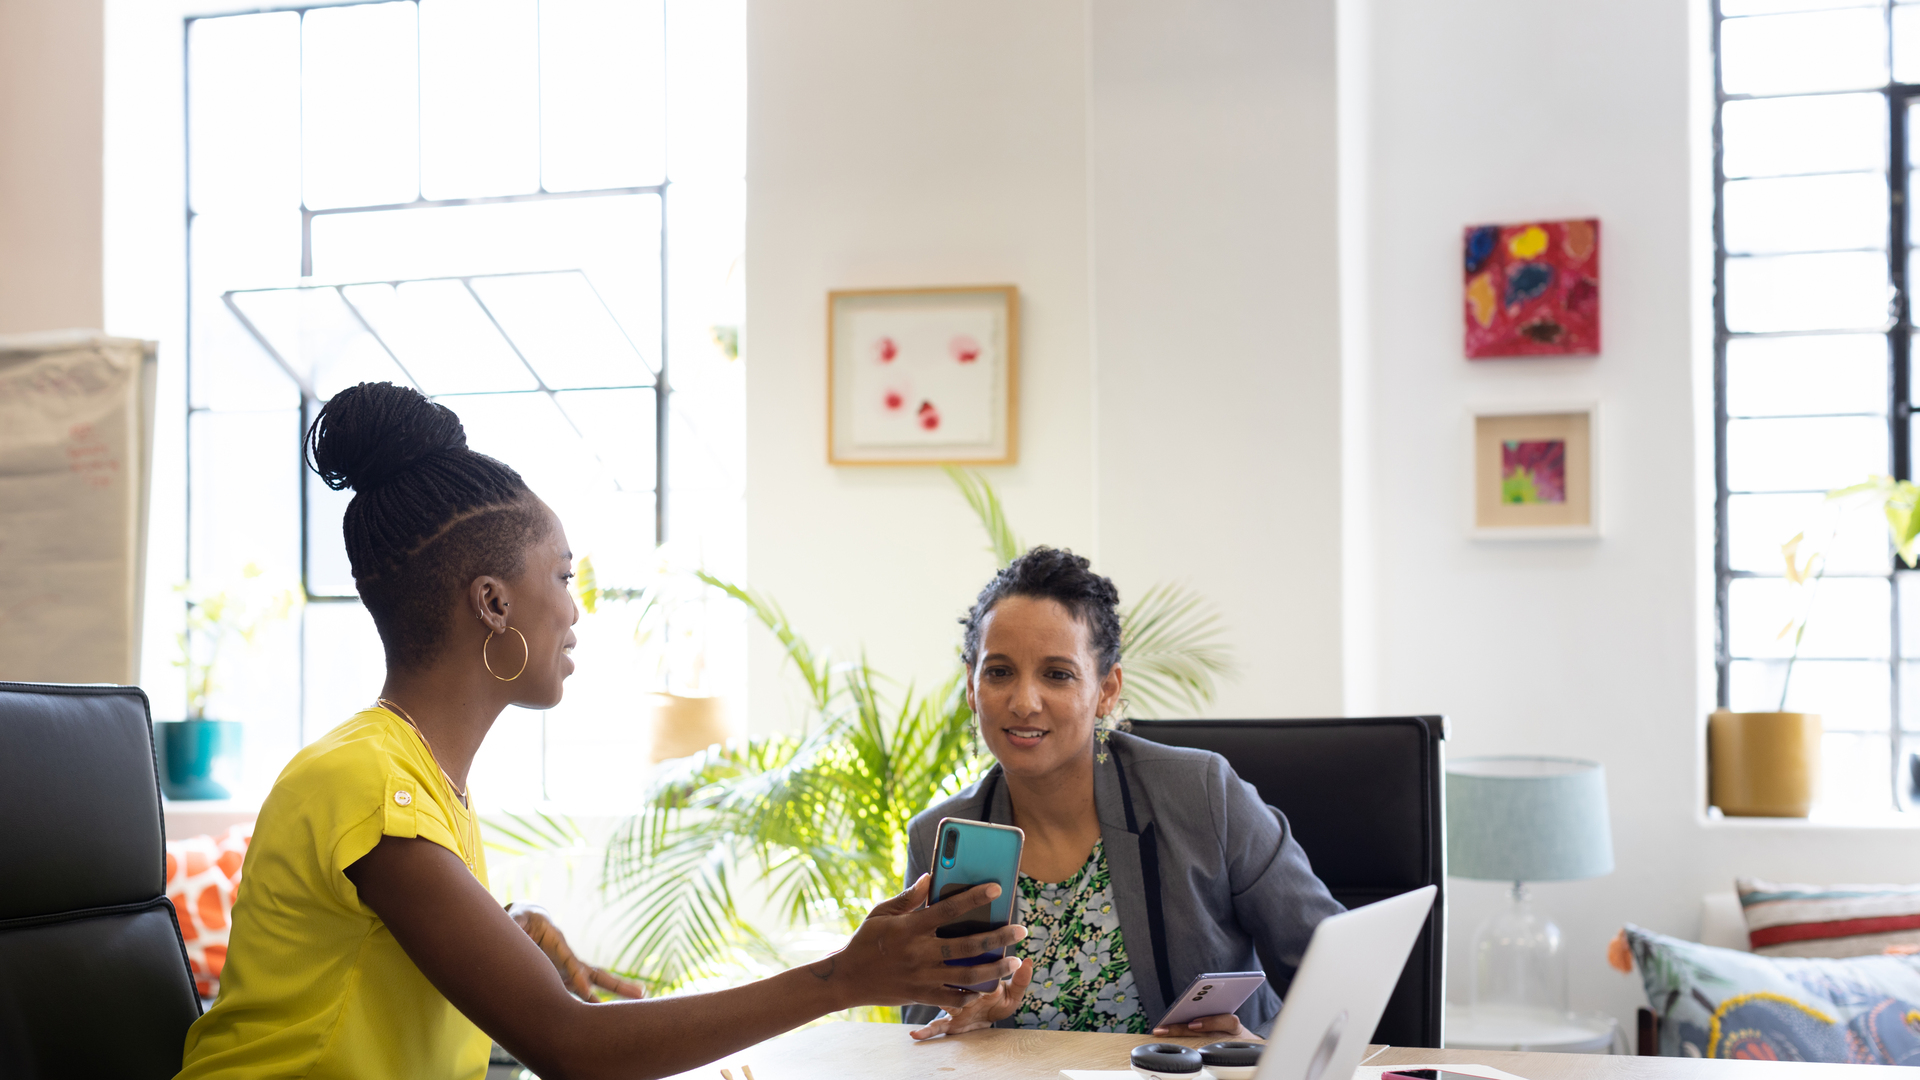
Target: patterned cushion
1729, 1004
203, 876
1830, 920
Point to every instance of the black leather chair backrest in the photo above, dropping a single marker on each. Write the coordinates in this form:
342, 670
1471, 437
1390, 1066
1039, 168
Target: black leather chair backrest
93, 975
1366, 799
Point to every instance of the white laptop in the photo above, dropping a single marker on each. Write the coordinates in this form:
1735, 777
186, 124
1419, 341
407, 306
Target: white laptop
1342, 987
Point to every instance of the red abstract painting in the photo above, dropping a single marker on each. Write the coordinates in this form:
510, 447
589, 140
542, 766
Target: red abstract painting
1533, 289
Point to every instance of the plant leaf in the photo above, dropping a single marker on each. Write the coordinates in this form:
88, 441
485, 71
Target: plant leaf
1172, 648
980, 495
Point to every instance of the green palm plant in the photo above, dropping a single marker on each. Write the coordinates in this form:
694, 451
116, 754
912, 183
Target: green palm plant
820, 815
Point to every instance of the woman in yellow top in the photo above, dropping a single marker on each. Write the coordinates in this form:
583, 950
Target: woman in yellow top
364, 942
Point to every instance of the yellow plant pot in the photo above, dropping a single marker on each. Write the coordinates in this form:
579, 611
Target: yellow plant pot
687, 725
1763, 764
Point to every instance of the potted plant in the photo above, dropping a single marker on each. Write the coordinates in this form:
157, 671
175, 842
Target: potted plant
199, 757
1767, 764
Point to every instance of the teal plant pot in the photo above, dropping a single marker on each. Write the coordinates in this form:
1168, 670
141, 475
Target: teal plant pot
198, 758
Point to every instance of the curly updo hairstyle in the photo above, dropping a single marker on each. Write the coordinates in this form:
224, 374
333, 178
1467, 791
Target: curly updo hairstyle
1058, 575
428, 515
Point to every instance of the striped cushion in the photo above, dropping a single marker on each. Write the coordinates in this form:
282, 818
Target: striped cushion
1830, 920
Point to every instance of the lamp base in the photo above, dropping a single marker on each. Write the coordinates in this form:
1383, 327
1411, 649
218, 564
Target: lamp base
1519, 967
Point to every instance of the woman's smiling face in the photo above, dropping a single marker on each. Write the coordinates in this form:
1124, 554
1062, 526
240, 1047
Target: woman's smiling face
1037, 688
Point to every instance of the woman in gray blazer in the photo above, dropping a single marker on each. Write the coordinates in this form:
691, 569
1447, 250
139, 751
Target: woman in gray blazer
1144, 865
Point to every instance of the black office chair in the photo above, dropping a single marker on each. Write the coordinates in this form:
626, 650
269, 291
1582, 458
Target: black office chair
1366, 798
93, 974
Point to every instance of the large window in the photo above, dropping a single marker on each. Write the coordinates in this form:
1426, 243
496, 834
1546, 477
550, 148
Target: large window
1812, 166
472, 197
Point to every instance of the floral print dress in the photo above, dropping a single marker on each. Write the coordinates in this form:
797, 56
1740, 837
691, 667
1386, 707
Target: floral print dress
1081, 978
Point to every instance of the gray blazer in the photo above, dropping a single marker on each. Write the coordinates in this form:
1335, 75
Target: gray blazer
1206, 876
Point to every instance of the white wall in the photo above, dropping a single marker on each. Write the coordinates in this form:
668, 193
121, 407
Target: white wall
1216, 318
1502, 111
1155, 178
50, 140
899, 144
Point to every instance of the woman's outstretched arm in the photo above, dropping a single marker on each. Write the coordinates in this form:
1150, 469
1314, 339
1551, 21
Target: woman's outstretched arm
475, 954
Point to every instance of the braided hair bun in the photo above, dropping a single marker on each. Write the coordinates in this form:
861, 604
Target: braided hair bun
428, 514
370, 433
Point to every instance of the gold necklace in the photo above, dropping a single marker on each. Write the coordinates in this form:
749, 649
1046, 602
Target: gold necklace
469, 841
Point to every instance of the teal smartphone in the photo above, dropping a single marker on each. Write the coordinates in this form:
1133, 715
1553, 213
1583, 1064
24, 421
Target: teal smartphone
969, 853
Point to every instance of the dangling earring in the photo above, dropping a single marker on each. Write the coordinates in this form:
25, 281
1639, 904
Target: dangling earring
526, 654
1102, 726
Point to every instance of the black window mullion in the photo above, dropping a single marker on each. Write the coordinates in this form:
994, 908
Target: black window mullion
1899, 388
1722, 559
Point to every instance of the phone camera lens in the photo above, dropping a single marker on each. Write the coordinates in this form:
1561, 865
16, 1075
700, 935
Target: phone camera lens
953, 840
1207, 987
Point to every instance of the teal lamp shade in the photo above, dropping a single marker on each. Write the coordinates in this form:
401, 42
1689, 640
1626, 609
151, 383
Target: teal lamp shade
1527, 819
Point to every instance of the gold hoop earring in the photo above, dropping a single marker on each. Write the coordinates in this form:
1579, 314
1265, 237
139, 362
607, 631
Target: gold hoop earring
526, 655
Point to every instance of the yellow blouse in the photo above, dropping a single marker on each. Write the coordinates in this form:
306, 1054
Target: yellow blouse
315, 985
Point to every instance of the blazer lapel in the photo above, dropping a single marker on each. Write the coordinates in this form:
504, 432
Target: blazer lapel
1133, 862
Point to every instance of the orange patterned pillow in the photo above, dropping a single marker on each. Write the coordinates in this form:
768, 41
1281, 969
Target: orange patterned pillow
203, 876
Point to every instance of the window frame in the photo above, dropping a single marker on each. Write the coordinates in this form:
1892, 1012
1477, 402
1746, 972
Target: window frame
661, 385
1898, 331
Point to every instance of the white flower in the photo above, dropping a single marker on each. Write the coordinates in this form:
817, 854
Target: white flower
1101, 911
1048, 983
1116, 999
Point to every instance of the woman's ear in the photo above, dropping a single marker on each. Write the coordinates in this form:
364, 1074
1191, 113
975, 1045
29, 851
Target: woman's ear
490, 599
1110, 691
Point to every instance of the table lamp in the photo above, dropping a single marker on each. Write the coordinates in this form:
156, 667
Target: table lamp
1523, 819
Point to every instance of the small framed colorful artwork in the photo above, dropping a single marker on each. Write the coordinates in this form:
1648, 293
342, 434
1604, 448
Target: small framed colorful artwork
1533, 289
923, 376
1534, 475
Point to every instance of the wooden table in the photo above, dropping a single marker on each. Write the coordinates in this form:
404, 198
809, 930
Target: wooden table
845, 1051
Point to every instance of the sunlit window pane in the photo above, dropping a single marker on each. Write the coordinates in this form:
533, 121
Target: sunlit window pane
564, 330
1807, 213
528, 432
233, 250
509, 768
328, 571
1807, 292
1798, 376
479, 98
1854, 773
1906, 43
1850, 618
441, 337
313, 332
1785, 136
1731, 8
245, 75
602, 76
360, 114
1853, 538
619, 425
1855, 696
343, 649
1816, 454
1790, 54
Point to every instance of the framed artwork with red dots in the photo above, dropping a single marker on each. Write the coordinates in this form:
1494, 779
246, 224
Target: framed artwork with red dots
923, 376
1533, 289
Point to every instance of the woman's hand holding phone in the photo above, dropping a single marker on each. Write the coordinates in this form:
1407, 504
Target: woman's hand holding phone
1227, 1024
895, 958
996, 1004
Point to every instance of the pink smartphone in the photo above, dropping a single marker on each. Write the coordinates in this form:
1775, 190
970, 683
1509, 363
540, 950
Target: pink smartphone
1212, 995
